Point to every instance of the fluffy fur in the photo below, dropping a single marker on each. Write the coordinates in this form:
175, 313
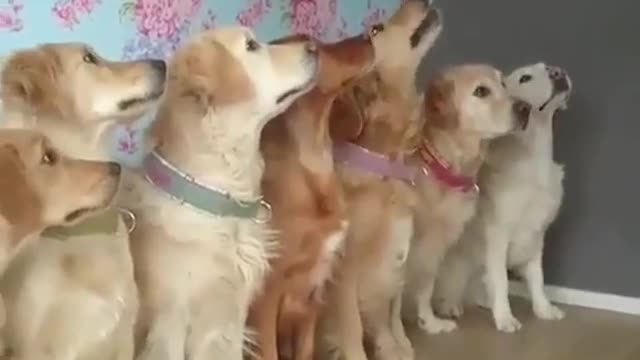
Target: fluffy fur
197, 273
382, 113
74, 299
309, 209
521, 194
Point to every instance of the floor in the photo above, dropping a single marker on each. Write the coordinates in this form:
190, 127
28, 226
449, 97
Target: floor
585, 334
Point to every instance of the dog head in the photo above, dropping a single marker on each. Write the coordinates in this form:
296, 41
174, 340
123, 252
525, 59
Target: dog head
239, 79
42, 187
471, 99
406, 37
546, 88
72, 82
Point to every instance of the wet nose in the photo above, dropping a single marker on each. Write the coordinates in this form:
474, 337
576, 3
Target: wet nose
311, 48
159, 66
114, 169
555, 73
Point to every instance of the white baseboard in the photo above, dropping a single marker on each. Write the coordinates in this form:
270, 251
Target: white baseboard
584, 298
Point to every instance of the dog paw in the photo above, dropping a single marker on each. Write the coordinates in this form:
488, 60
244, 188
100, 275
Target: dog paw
549, 312
449, 309
436, 325
507, 323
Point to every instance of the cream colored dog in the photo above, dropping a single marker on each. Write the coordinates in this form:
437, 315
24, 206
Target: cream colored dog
201, 246
521, 194
73, 296
466, 108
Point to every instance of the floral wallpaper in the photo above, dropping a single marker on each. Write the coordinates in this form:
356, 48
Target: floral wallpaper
131, 29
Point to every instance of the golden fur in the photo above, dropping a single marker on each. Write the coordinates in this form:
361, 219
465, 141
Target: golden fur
384, 114
197, 273
73, 96
42, 187
466, 107
308, 205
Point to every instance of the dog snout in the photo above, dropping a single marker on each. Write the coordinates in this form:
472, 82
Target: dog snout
114, 169
555, 73
522, 110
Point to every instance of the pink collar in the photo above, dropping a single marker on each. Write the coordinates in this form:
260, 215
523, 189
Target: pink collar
441, 170
379, 164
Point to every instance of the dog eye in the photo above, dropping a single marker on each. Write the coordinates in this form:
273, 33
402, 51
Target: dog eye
525, 78
49, 157
90, 58
252, 45
376, 29
481, 92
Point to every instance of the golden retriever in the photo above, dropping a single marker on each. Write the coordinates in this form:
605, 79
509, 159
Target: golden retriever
41, 188
201, 259
373, 126
309, 209
466, 107
76, 298
522, 193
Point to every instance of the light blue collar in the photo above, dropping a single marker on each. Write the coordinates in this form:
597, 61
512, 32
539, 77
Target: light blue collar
185, 189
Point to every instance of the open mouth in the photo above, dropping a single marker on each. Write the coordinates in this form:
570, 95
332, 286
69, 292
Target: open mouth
129, 103
560, 82
76, 214
428, 22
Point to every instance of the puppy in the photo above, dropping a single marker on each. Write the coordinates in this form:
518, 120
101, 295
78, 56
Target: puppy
309, 209
78, 294
42, 188
201, 247
466, 107
521, 194
373, 126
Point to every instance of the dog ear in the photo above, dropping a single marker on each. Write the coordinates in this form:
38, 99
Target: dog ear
190, 77
347, 119
19, 203
439, 109
29, 78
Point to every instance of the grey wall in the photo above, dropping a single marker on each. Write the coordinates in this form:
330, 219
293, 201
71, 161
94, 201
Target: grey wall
595, 242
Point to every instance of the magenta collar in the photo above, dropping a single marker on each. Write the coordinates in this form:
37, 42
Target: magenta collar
441, 170
373, 162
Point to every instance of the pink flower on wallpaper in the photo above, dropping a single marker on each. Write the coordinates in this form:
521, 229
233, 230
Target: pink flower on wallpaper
69, 12
254, 13
313, 17
10, 19
162, 19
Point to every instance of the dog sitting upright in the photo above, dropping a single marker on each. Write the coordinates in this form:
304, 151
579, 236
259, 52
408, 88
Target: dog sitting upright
309, 209
522, 192
202, 245
74, 295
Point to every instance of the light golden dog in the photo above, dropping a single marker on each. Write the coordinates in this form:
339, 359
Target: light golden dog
466, 107
522, 193
201, 247
41, 188
309, 209
76, 298
374, 126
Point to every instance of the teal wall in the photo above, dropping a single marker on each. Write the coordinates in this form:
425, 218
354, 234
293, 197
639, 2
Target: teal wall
154, 28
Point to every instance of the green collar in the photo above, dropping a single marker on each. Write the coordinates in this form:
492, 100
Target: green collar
187, 190
104, 223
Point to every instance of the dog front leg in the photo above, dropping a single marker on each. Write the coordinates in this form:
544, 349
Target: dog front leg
533, 275
397, 327
265, 319
305, 335
497, 281
349, 320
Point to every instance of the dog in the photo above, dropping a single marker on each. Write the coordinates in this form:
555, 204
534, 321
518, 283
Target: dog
202, 243
466, 107
372, 126
521, 195
309, 209
74, 294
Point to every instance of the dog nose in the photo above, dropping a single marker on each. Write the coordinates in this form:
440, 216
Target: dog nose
159, 65
555, 73
114, 169
311, 47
